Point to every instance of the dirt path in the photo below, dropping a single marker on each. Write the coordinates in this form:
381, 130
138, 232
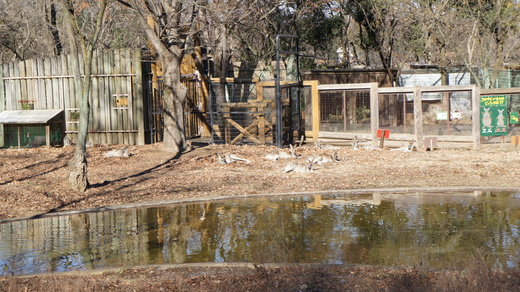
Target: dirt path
33, 181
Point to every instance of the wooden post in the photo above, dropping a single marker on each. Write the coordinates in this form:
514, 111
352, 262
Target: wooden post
417, 111
374, 112
138, 98
404, 113
344, 110
315, 110
47, 136
475, 99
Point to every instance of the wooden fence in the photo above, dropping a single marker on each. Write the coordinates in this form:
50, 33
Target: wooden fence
117, 105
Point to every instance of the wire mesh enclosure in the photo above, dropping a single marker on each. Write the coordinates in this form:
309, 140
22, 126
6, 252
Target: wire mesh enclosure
447, 113
33, 135
238, 115
194, 108
396, 113
244, 112
345, 111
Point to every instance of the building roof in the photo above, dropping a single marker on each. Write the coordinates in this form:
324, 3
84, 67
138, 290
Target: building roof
28, 116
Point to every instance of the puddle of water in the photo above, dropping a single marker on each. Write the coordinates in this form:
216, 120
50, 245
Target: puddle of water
422, 229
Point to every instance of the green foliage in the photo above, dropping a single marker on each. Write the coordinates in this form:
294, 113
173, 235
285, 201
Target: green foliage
319, 30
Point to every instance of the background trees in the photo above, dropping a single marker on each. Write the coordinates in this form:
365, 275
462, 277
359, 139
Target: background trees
481, 35
371, 33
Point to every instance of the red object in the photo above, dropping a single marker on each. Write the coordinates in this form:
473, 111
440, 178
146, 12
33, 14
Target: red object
387, 133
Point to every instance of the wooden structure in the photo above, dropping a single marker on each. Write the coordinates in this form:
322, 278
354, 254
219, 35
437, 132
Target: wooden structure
259, 127
126, 96
116, 97
257, 131
419, 137
32, 128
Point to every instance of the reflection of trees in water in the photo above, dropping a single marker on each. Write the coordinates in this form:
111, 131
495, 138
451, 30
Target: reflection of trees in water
444, 232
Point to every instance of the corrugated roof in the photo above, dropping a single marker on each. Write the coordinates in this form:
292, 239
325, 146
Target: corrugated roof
28, 116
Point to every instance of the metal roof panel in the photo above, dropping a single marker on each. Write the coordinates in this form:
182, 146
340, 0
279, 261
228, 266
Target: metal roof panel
28, 116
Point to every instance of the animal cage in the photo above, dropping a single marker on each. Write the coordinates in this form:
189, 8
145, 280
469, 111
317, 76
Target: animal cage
32, 128
345, 111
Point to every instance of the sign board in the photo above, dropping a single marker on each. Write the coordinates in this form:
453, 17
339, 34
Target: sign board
442, 116
493, 115
513, 117
385, 133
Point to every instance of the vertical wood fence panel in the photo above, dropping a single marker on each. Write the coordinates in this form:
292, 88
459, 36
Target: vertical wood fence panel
116, 95
94, 101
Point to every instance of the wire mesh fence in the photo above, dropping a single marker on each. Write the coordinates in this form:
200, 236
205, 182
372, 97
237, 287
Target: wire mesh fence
238, 116
396, 113
244, 112
345, 111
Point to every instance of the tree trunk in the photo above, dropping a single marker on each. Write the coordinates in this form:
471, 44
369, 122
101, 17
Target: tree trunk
78, 165
78, 172
174, 101
77, 177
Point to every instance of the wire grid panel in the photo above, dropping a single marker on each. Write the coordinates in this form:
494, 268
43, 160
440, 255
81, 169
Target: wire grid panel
449, 114
243, 127
237, 116
396, 113
345, 111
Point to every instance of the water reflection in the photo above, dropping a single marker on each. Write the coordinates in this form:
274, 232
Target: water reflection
423, 229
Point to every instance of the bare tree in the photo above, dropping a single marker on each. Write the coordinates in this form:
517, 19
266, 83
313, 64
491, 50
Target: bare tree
172, 20
28, 29
493, 37
81, 41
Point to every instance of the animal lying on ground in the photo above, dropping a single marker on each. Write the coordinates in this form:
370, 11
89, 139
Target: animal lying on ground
275, 155
408, 148
326, 146
124, 152
230, 158
298, 167
321, 158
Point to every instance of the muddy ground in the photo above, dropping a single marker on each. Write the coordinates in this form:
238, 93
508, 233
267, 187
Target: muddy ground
33, 182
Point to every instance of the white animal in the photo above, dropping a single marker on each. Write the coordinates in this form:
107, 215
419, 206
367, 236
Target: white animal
355, 143
321, 158
369, 146
67, 141
275, 155
230, 158
408, 148
117, 153
326, 146
298, 167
